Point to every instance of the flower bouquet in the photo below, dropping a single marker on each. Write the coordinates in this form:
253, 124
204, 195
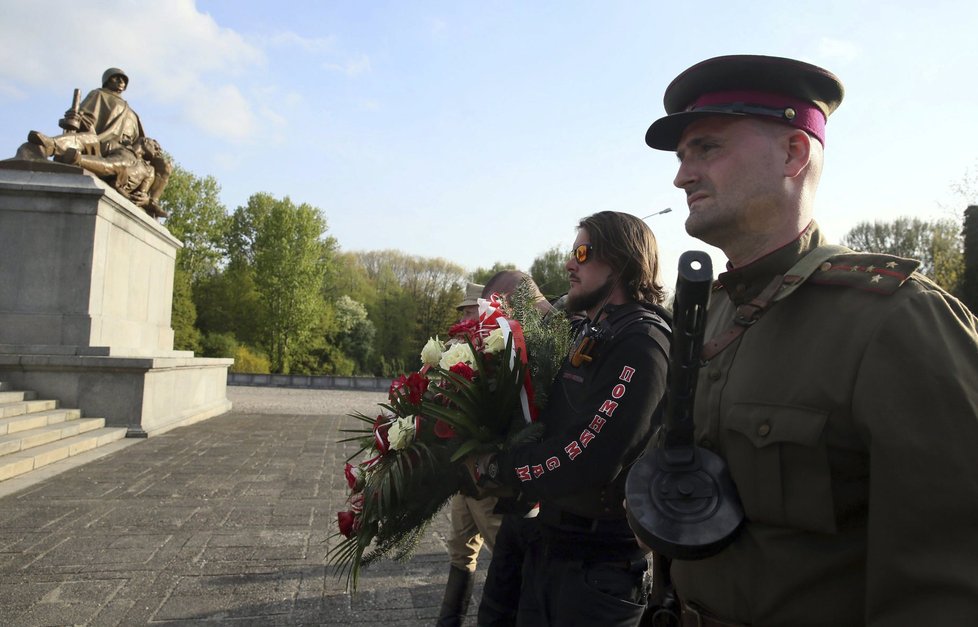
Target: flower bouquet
473, 394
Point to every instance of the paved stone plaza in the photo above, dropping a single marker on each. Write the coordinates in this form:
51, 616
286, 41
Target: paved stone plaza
222, 522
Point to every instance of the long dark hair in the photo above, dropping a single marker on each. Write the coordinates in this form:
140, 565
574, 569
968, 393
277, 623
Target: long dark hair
627, 244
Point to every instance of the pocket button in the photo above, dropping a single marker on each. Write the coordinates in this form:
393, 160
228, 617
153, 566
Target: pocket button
763, 430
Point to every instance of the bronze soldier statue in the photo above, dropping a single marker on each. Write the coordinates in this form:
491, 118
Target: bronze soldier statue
105, 136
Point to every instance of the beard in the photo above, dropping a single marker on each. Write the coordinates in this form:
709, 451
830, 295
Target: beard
586, 301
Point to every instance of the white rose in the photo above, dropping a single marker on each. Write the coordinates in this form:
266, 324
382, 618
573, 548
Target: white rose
455, 354
495, 341
401, 433
431, 353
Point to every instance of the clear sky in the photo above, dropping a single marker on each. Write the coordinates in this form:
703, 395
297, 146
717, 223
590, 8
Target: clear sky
482, 131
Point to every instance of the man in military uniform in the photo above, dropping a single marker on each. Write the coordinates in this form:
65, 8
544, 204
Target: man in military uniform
841, 388
587, 568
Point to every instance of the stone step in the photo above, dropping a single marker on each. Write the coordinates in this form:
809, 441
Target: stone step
36, 457
11, 396
17, 408
24, 422
39, 436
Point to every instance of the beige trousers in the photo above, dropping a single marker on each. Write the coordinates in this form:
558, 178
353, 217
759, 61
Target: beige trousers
472, 523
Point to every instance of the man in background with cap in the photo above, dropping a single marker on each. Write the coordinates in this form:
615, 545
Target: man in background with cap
840, 388
473, 520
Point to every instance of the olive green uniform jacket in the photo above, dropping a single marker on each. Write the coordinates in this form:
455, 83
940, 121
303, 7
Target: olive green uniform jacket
848, 416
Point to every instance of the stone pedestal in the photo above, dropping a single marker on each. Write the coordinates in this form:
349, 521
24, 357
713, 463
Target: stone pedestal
86, 288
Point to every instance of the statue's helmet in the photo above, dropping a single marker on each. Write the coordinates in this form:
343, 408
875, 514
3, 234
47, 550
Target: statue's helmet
112, 71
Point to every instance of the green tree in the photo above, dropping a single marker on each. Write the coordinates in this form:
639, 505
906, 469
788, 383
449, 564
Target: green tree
415, 299
353, 331
482, 275
228, 302
290, 255
436, 286
186, 337
549, 272
198, 219
349, 278
937, 244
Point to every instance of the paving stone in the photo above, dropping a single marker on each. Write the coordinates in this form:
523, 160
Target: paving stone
227, 521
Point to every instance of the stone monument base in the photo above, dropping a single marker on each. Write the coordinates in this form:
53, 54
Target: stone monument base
86, 289
146, 395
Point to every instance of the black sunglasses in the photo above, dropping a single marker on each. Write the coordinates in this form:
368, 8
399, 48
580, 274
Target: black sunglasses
582, 253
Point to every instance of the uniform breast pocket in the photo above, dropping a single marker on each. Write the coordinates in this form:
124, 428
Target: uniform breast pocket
778, 460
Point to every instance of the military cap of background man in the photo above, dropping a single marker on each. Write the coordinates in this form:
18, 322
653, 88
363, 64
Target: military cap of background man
473, 292
796, 93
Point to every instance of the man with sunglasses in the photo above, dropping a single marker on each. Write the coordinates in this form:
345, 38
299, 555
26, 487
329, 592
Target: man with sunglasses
586, 567
840, 388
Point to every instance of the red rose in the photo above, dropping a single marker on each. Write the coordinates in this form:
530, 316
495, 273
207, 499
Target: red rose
465, 328
413, 386
356, 503
444, 430
462, 369
417, 385
346, 521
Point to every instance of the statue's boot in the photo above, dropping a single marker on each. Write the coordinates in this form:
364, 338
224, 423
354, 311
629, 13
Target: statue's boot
40, 139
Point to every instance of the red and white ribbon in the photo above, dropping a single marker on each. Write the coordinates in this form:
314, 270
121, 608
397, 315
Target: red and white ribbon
512, 327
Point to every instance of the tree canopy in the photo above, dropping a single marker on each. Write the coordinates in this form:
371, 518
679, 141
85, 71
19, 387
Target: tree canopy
549, 272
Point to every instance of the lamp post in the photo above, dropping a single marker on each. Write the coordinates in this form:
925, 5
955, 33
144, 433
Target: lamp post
658, 213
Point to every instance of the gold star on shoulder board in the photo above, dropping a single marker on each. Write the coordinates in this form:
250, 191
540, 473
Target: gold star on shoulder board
876, 278
891, 264
870, 268
854, 269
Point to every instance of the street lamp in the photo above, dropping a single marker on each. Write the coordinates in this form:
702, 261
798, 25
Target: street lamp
658, 213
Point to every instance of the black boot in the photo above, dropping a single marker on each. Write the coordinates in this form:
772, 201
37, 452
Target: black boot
458, 593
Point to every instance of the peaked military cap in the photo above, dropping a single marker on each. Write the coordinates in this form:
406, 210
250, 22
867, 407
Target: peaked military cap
796, 93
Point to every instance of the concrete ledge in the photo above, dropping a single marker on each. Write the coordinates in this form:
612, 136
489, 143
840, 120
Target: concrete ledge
89, 351
111, 362
147, 395
319, 382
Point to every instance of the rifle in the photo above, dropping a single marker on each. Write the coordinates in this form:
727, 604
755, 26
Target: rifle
681, 500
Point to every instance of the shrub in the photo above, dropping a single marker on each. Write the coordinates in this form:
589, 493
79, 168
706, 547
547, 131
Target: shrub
251, 361
220, 345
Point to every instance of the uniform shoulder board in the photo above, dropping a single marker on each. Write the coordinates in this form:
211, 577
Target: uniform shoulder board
871, 272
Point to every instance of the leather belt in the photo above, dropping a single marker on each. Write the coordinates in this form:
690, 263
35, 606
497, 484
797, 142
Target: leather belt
695, 617
568, 521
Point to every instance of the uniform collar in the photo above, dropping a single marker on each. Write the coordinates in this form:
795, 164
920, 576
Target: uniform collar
743, 284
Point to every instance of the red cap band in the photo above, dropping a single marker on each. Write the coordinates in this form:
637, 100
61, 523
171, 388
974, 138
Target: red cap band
808, 117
